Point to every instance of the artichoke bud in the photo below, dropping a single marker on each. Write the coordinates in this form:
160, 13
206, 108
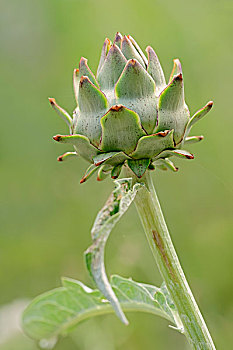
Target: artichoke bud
127, 113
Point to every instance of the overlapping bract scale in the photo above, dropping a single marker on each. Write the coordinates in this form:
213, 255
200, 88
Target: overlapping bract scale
121, 130
172, 110
130, 52
135, 89
127, 113
92, 106
111, 71
155, 70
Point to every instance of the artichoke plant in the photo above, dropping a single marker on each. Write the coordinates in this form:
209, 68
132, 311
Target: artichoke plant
127, 113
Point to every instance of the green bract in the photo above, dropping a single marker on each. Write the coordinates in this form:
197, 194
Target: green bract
127, 113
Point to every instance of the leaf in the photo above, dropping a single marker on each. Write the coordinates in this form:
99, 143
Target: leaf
112, 158
76, 81
139, 166
92, 106
173, 113
88, 173
165, 164
135, 90
115, 207
118, 39
116, 171
193, 139
180, 153
155, 70
130, 51
58, 311
121, 130
200, 114
111, 71
61, 112
177, 69
193, 120
150, 146
103, 172
104, 52
139, 50
84, 70
81, 144
66, 156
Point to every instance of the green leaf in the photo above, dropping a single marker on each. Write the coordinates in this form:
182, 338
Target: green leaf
76, 81
200, 114
93, 105
89, 172
111, 71
115, 207
165, 164
129, 51
104, 52
103, 172
138, 166
139, 50
134, 82
172, 110
177, 69
112, 158
193, 139
84, 70
76, 114
180, 153
118, 39
135, 89
81, 144
116, 171
103, 157
66, 156
193, 120
121, 130
61, 112
151, 145
155, 70
60, 310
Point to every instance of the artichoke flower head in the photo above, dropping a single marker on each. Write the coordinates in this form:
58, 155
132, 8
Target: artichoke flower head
127, 113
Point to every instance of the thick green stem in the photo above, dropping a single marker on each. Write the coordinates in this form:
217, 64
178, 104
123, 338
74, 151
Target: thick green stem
156, 230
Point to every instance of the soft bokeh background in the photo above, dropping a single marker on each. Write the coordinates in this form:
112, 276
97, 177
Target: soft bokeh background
46, 215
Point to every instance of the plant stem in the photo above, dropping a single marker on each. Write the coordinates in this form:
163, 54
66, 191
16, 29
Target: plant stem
149, 210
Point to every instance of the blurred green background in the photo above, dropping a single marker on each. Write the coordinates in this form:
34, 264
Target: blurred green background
46, 215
